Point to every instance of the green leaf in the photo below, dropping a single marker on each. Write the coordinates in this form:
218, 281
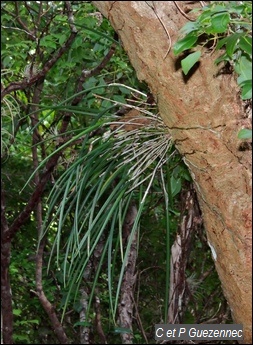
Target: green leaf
220, 22
119, 98
18, 337
37, 322
175, 185
245, 133
48, 42
62, 39
245, 44
124, 90
243, 77
238, 9
27, 322
221, 43
17, 312
243, 67
231, 44
190, 61
204, 18
223, 57
78, 42
189, 27
184, 44
246, 86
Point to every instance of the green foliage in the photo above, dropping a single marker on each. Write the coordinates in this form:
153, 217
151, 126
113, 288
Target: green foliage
245, 134
228, 25
26, 305
10, 116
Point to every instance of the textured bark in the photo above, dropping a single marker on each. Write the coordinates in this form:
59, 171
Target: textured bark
125, 308
46, 304
190, 221
84, 331
204, 114
6, 296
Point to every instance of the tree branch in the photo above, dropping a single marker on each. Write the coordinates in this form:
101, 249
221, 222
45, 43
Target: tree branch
47, 306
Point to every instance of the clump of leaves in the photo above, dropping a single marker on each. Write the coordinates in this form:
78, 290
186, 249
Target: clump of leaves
99, 187
229, 25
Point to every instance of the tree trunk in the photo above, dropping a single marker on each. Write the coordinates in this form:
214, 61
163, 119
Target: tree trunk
204, 114
125, 308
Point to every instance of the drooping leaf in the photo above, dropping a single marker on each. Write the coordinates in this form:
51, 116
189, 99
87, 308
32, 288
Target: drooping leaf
244, 67
190, 61
231, 43
245, 43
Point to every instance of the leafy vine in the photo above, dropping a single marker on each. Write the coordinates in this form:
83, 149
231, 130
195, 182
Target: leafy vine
227, 25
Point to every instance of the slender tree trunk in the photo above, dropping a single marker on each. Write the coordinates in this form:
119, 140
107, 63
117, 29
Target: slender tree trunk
204, 114
180, 252
125, 308
84, 300
6, 304
46, 304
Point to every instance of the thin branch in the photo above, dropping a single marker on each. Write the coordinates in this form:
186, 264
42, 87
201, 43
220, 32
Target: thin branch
48, 307
97, 307
40, 14
22, 24
18, 29
182, 12
70, 16
138, 318
30, 12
